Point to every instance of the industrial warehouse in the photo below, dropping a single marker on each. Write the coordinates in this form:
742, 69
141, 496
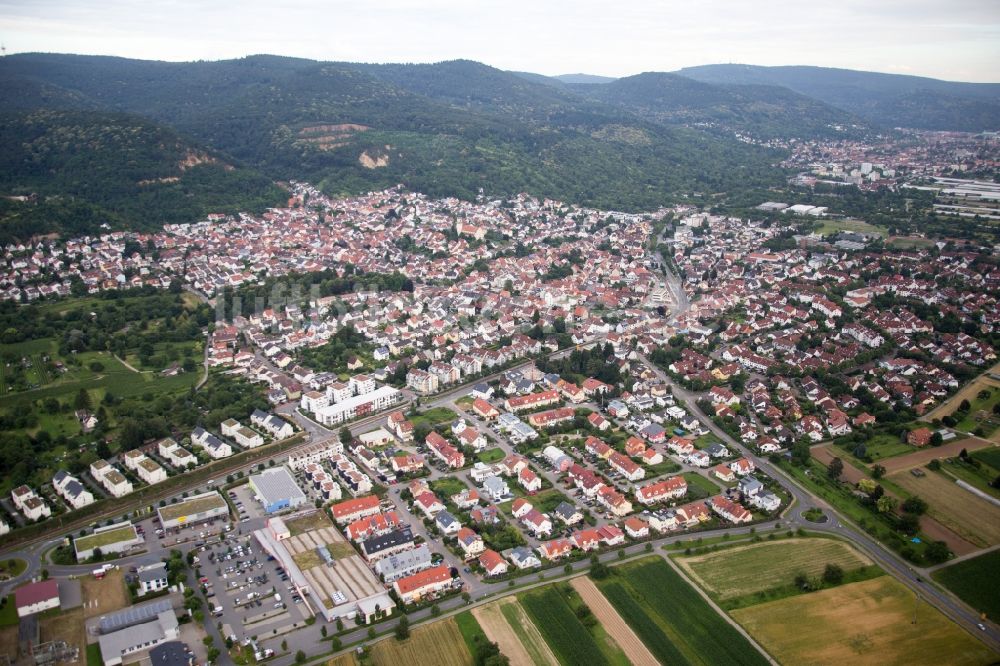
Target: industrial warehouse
276, 489
324, 567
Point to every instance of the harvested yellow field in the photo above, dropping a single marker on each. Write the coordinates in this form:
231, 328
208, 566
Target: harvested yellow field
742, 570
505, 623
346, 659
967, 515
861, 623
620, 632
434, 644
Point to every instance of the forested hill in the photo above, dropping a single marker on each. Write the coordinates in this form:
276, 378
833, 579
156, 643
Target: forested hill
762, 112
446, 129
139, 143
886, 100
84, 169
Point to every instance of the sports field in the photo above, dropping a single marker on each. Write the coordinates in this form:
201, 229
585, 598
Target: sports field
969, 516
867, 622
434, 644
743, 570
976, 582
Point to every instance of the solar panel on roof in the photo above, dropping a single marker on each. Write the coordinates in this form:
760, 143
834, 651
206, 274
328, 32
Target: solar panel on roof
133, 615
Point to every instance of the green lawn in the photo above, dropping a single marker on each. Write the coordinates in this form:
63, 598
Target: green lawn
883, 446
705, 440
976, 582
446, 487
491, 455
546, 500
103, 539
94, 655
695, 480
910, 243
668, 466
13, 567
434, 417
860, 226
8, 611
980, 415
672, 619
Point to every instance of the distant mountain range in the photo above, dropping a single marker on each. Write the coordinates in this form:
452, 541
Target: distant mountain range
139, 143
884, 100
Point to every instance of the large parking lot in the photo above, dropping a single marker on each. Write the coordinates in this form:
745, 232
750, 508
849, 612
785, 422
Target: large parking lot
249, 591
246, 506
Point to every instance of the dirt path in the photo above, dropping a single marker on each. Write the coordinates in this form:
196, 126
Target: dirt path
498, 630
634, 649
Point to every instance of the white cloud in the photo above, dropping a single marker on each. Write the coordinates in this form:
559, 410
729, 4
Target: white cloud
957, 39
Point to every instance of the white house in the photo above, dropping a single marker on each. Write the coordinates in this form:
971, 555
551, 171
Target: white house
151, 471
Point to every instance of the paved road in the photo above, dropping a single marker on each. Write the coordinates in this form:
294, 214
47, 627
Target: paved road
915, 578
310, 640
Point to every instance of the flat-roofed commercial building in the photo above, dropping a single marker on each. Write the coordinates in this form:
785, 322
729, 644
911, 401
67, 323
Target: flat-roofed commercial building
277, 490
196, 509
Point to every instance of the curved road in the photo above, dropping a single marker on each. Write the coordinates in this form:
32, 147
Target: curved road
309, 637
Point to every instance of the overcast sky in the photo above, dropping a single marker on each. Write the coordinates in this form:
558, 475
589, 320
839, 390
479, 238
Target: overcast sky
948, 39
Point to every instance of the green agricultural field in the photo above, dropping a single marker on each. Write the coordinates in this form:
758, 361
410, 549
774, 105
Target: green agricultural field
989, 456
470, 630
566, 635
976, 582
747, 570
672, 619
980, 477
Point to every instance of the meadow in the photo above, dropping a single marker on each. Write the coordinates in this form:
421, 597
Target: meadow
746, 570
